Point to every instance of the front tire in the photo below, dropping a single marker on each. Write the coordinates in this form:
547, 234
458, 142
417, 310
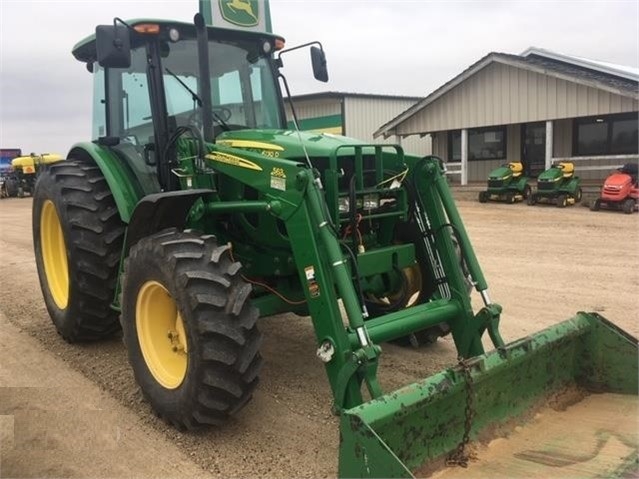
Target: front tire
77, 238
562, 201
190, 332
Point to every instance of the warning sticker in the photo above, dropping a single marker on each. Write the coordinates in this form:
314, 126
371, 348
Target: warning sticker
313, 286
278, 183
310, 272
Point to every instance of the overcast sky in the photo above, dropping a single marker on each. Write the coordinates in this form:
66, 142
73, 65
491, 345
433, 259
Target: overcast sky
385, 47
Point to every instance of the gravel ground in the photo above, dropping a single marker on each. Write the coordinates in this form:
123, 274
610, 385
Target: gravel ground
542, 263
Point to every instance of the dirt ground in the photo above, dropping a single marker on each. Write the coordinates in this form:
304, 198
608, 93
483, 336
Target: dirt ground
75, 410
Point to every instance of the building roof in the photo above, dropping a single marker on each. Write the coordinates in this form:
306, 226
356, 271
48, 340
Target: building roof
630, 73
326, 95
586, 72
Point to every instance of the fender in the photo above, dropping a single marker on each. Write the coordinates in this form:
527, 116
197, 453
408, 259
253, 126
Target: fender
124, 185
160, 211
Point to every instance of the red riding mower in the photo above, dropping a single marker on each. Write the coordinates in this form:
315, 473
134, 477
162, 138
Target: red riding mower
620, 190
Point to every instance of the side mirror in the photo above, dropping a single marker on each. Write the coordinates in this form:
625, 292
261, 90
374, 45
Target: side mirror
113, 46
318, 59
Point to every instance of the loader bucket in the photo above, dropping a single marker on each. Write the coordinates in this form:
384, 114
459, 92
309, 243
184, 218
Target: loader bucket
409, 433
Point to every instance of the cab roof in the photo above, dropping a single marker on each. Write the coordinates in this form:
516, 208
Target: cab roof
85, 51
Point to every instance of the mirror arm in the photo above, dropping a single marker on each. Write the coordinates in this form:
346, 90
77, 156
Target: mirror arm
278, 59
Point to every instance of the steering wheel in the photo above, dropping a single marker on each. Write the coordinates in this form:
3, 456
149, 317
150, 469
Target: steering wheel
220, 116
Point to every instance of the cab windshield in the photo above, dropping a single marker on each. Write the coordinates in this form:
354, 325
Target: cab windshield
243, 91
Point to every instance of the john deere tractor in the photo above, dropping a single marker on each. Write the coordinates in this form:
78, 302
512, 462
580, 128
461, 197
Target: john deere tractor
194, 211
557, 185
506, 183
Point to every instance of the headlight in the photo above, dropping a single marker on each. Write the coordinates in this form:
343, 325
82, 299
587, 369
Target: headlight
174, 35
344, 205
371, 202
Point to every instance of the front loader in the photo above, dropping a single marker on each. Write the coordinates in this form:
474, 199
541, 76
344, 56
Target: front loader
194, 211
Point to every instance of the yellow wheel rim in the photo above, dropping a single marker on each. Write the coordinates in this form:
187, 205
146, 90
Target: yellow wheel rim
54, 255
161, 334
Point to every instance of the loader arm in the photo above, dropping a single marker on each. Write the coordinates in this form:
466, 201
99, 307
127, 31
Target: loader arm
294, 194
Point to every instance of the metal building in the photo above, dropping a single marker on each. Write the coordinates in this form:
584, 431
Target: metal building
537, 107
356, 115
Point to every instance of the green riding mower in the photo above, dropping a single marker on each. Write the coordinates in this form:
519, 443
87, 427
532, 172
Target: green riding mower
198, 212
506, 183
557, 185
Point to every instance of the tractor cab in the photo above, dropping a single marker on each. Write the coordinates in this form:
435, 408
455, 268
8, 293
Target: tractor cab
148, 87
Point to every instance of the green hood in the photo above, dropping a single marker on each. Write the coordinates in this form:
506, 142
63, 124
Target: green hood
501, 173
551, 174
286, 143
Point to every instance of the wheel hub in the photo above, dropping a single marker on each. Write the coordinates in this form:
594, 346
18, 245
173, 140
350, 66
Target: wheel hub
54, 254
161, 334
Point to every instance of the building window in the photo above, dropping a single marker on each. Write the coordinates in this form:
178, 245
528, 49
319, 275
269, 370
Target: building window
483, 144
606, 135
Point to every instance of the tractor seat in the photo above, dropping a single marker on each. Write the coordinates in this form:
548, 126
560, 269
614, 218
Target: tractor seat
567, 168
516, 167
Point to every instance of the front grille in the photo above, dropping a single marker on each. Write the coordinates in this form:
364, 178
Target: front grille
612, 191
545, 185
495, 183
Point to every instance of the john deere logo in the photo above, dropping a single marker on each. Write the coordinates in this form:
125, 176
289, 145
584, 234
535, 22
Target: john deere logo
244, 13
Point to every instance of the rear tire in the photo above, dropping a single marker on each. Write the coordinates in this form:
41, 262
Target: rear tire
532, 199
190, 332
77, 238
595, 205
527, 192
628, 206
578, 195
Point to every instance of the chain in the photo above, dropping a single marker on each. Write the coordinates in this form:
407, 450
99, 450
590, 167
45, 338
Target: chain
459, 457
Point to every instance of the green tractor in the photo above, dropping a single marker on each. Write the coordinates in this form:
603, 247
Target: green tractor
558, 185
194, 212
506, 183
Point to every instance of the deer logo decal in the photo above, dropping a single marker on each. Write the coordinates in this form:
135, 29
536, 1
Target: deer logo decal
244, 13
